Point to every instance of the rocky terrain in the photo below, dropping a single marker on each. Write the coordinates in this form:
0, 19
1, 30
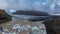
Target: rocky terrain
4, 17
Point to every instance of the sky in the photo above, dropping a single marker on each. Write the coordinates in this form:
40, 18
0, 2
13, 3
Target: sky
50, 6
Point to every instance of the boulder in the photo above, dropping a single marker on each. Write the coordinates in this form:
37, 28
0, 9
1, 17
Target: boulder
4, 17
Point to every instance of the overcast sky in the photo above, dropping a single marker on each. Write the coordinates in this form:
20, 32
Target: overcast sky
39, 5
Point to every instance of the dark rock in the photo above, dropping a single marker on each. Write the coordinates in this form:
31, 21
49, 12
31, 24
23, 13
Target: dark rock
1, 28
4, 17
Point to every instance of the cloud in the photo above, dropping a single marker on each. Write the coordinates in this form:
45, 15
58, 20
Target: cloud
22, 4
3, 4
38, 5
58, 2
